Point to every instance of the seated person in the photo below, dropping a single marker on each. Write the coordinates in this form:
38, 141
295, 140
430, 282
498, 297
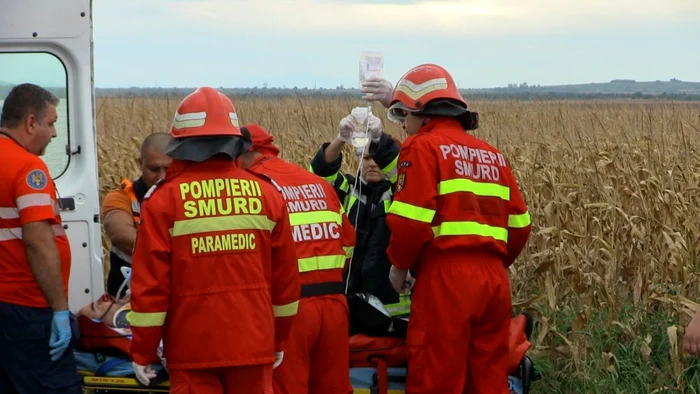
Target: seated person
121, 207
366, 201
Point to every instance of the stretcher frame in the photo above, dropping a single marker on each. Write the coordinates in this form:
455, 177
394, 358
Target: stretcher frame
92, 383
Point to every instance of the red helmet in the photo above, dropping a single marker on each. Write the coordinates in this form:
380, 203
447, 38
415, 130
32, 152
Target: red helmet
423, 85
205, 112
262, 141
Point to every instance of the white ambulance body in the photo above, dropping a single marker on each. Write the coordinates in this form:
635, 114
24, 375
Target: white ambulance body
49, 43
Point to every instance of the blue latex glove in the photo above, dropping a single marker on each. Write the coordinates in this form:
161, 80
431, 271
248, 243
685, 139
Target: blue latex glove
60, 334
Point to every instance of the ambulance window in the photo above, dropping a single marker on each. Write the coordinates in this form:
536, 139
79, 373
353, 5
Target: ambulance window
47, 71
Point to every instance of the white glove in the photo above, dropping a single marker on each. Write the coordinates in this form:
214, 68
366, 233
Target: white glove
375, 128
144, 374
278, 359
377, 89
347, 125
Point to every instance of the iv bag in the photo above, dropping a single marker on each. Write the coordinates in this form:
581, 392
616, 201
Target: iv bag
371, 65
359, 135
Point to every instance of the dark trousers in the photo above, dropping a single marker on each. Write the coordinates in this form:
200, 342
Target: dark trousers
25, 364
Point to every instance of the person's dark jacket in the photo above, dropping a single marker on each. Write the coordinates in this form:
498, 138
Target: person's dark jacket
366, 208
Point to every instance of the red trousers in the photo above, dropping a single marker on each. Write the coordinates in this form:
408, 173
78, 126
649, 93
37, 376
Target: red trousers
317, 356
254, 379
458, 332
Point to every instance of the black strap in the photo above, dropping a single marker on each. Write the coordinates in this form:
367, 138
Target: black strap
319, 289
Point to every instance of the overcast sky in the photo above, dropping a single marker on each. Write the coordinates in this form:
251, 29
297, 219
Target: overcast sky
307, 43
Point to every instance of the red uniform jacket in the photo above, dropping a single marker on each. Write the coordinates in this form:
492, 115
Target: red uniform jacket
322, 232
214, 269
455, 196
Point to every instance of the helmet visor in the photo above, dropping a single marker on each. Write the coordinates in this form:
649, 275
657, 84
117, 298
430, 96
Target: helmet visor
398, 112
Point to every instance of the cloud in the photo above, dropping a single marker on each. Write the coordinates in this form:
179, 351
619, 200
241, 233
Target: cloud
416, 19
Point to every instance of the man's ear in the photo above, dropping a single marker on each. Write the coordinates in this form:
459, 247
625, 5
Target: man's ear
29, 123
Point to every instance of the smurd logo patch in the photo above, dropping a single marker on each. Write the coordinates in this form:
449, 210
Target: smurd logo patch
401, 182
37, 179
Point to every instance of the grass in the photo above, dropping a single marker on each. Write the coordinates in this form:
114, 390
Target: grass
610, 272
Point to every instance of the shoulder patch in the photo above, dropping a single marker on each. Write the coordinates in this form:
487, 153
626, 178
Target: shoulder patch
400, 182
152, 189
37, 179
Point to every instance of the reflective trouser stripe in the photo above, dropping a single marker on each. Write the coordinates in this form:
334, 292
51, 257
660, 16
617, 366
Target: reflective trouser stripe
321, 263
221, 223
519, 221
286, 310
141, 319
471, 228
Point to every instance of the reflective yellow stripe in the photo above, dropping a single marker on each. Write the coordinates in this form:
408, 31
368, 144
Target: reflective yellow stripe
471, 228
387, 205
411, 211
299, 218
390, 170
221, 223
519, 221
348, 251
403, 307
286, 310
153, 319
478, 188
345, 186
322, 263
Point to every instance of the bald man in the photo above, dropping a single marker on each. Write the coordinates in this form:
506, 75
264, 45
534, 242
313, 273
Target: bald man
121, 208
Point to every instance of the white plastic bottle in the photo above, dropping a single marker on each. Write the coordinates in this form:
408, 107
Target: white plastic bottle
371, 64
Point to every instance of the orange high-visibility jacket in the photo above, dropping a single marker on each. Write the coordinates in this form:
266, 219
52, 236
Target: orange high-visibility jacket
323, 234
214, 269
455, 196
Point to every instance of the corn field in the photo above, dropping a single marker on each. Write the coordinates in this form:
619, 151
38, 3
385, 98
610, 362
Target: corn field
612, 188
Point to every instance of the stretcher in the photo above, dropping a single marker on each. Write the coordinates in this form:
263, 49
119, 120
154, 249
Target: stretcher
113, 375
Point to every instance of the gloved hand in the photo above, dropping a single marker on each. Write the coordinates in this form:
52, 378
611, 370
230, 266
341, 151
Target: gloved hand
397, 277
375, 128
278, 359
60, 334
347, 125
144, 373
377, 89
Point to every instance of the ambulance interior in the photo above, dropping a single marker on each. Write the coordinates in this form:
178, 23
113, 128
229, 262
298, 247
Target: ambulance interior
50, 43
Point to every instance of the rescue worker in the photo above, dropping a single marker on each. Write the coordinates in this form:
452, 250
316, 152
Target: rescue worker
121, 208
36, 330
316, 356
214, 269
458, 218
366, 200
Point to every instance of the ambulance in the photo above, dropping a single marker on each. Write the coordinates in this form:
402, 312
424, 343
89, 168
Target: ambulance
50, 43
